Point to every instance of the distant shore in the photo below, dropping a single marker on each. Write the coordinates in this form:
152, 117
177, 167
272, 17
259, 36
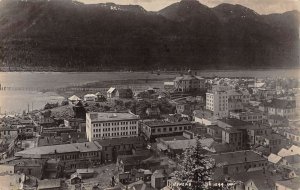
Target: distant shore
92, 69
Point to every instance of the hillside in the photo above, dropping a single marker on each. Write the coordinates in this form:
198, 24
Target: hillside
69, 34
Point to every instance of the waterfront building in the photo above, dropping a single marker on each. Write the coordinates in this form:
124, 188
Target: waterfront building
101, 125
188, 83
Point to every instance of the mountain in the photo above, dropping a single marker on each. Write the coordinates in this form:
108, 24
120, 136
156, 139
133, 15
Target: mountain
187, 34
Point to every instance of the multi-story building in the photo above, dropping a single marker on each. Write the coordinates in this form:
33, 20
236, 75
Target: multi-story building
188, 83
231, 163
234, 133
292, 134
72, 156
282, 107
217, 102
257, 130
249, 116
111, 125
237, 99
272, 142
160, 128
112, 148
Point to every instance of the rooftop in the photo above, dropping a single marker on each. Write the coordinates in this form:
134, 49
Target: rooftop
273, 158
230, 158
158, 123
65, 148
106, 116
234, 122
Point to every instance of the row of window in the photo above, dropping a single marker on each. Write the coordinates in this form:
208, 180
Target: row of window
115, 134
170, 129
115, 129
115, 123
76, 156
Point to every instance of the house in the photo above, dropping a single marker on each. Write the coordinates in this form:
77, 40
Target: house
111, 93
124, 93
8, 131
274, 142
153, 112
214, 131
90, 97
261, 179
75, 179
292, 134
257, 130
74, 99
75, 123
100, 97
277, 121
159, 179
186, 107
29, 166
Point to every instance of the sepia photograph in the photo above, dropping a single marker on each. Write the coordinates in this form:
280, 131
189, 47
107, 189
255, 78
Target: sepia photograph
149, 95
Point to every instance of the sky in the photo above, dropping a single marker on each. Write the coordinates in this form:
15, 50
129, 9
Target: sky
260, 6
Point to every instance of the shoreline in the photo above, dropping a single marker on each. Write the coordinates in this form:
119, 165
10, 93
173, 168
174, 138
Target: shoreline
95, 70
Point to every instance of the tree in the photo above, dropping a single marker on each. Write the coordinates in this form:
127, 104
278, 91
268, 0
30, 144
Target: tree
195, 168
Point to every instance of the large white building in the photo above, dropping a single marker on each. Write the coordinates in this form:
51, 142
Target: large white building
102, 125
217, 102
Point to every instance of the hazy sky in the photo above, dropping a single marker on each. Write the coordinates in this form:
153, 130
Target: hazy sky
260, 6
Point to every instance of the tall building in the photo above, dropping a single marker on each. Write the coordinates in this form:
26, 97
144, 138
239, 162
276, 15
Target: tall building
217, 102
102, 125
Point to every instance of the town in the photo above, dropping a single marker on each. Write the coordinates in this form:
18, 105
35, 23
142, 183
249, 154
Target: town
128, 139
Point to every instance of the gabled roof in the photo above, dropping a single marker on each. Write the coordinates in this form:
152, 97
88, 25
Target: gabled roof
111, 90
273, 158
74, 98
284, 152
